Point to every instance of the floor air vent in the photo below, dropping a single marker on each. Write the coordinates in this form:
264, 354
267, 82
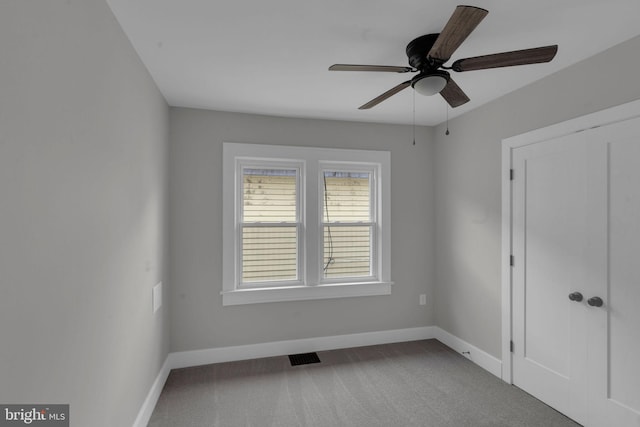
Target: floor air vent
303, 359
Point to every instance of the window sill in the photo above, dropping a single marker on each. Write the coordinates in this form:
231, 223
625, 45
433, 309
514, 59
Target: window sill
299, 293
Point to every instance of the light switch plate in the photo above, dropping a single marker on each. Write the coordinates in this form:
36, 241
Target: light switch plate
157, 296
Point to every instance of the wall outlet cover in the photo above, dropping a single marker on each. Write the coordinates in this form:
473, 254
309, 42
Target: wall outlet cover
157, 296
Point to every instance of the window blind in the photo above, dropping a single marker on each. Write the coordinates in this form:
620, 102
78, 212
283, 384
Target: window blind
347, 224
269, 225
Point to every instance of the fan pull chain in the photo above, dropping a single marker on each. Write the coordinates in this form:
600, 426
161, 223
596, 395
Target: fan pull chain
447, 132
414, 117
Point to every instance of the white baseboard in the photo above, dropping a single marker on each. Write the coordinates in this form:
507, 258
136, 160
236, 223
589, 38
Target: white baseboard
471, 352
144, 415
185, 359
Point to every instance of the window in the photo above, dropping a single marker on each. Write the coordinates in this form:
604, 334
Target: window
304, 223
269, 225
348, 224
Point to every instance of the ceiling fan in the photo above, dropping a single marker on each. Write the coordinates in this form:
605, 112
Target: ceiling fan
428, 54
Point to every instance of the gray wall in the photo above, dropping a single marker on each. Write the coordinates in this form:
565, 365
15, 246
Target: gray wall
198, 319
468, 191
83, 145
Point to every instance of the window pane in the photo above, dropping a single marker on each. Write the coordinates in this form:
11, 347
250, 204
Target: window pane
347, 251
269, 195
269, 253
347, 196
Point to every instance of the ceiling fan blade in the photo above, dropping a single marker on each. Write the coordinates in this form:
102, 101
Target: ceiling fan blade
377, 100
453, 94
462, 22
507, 59
384, 68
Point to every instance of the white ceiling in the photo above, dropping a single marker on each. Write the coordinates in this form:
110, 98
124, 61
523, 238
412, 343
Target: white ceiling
271, 57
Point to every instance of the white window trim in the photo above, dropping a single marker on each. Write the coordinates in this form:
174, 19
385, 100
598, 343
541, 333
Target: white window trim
312, 287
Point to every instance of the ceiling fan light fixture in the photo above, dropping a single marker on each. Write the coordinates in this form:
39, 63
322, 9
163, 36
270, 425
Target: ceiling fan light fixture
430, 84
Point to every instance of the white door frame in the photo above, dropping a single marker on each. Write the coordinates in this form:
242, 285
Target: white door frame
601, 118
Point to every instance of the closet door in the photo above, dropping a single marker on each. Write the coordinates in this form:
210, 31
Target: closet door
552, 215
576, 280
614, 327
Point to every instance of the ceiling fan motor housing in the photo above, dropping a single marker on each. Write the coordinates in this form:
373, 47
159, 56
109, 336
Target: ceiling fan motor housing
417, 51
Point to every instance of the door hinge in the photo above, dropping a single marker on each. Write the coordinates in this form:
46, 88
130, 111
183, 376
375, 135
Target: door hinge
511, 346
511, 174
511, 260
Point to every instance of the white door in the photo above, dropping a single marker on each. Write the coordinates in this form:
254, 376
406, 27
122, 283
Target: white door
550, 225
576, 236
614, 328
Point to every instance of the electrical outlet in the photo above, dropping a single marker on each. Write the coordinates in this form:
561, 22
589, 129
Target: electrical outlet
423, 299
156, 296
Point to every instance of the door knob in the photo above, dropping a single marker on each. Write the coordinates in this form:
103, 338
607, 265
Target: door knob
575, 296
595, 302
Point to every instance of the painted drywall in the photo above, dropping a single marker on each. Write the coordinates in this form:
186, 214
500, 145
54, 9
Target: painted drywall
83, 145
198, 318
468, 186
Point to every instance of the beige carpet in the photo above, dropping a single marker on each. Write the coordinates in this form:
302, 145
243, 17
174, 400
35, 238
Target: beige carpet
420, 383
